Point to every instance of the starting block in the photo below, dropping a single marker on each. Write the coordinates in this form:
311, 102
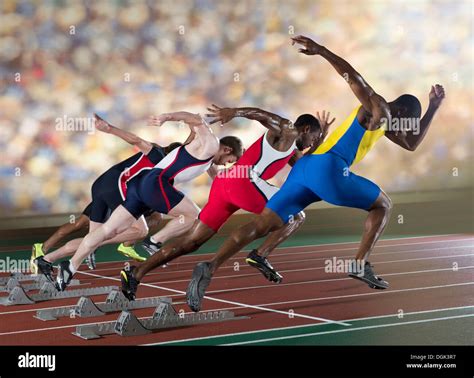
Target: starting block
49, 292
86, 308
165, 316
36, 285
22, 277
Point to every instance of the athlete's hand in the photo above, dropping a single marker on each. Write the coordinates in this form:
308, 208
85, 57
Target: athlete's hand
437, 95
309, 46
218, 114
101, 124
157, 120
324, 122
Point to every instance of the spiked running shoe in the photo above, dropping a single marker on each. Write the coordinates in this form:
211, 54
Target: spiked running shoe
130, 253
129, 283
197, 287
262, 264
150, 246
91, 262
64, 276
368, 276
45, 268
36, 251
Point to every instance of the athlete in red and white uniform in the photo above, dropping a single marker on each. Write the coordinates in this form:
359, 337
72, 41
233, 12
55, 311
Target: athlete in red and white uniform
244, 186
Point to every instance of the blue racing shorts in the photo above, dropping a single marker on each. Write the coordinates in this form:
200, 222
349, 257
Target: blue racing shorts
322, 177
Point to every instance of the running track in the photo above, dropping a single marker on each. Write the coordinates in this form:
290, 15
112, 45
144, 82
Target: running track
430, 299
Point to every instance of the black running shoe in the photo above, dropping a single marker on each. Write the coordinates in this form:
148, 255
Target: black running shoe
64, 276
198, 285
262, 264
150, 246
129, 283
368, 276
90, 261
45, 268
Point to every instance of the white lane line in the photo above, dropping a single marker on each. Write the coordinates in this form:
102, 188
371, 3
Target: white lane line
379, 245
350, 330
306, 325
258, 274
331, 280
170, 271
306, 269
294, 314
276, 304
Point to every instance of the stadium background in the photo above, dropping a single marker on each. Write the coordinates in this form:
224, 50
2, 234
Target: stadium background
130, 59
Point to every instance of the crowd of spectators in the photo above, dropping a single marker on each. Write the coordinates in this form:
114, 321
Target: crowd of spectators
130, 59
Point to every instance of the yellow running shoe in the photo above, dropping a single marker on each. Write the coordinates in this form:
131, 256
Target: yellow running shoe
36, 251
130, 253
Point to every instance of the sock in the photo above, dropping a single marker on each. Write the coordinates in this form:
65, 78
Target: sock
154, 240
71, 268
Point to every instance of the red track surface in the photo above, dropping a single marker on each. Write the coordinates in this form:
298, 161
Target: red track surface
420, 272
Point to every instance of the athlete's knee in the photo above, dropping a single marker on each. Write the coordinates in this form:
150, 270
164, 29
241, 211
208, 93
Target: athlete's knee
109, 232
299, 218
384, 203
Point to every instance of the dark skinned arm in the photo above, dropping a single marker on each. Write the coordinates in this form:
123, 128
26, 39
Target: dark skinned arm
411, 141
271, 121
370, 100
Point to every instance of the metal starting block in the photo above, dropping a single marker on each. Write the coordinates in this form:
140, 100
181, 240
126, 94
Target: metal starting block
86, 308
49, 292
36, 285
22, 277
165, 316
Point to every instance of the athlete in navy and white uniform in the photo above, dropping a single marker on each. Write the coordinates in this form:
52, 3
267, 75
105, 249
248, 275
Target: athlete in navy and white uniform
154, 189
108, 192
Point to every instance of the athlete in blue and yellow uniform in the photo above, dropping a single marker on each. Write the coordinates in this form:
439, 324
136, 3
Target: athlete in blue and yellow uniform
325, 174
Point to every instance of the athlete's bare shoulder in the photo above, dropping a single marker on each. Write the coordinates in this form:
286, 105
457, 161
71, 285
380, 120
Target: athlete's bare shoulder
380, 114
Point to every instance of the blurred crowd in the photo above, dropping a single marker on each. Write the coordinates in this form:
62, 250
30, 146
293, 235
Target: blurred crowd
130, 59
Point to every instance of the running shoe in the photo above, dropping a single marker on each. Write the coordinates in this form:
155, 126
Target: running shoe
91, 262
36, 251
197, 287
130, 253
129, 283
64, 276
150, 246
368, 276
262, 264
45, 268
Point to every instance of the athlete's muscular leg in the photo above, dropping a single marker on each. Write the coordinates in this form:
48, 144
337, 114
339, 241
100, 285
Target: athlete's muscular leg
70, 247
65, 230
197, 236
183, 220
279, 236
259, 227
379, 214
153, 222
119, 221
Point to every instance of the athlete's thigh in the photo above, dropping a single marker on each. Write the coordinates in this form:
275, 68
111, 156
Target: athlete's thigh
186, 207
120, 220
292, 198
218, 208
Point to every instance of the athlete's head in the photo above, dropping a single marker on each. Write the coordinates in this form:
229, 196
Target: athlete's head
230, 150
406, 106
309, 131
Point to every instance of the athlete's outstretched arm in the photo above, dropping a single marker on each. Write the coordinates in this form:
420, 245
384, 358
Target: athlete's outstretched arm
411, 141
270, 120
102, 125
371, 101
190, 119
